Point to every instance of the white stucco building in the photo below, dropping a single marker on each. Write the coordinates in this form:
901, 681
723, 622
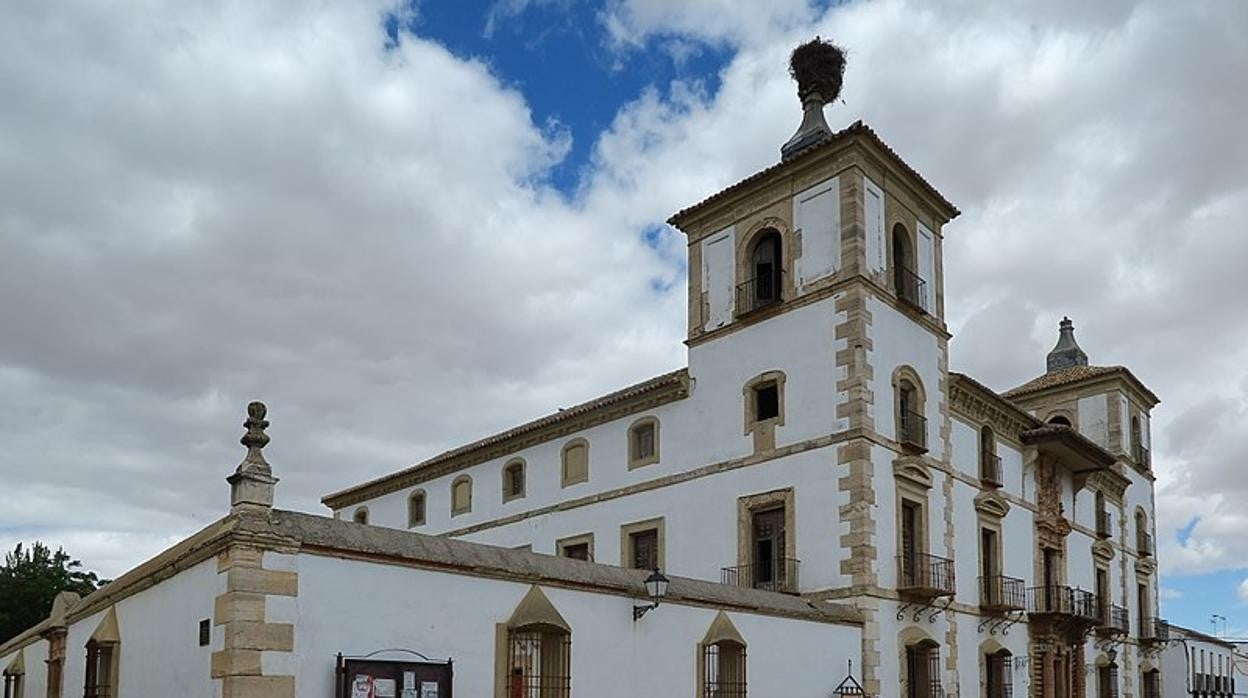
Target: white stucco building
818, 485
1197, 664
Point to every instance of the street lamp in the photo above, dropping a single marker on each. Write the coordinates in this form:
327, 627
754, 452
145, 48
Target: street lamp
656, 588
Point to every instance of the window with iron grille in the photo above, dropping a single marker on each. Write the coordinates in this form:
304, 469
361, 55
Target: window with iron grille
1152, 684
645, 547
539, 662
923, 671
723, 670
1000, 678
100, 678
1107, 681
12, 685
513, 480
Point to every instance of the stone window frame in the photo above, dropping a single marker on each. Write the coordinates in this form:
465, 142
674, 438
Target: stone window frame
658, 525
723, 635
909, 374
750, 503
508, 495
991, 648
14, 675
763, 430
534, 614
562, 544
565, 479
915, 636
635, 461
989, 523
743, 257
423, 497
455, 484
106, 639
361, 515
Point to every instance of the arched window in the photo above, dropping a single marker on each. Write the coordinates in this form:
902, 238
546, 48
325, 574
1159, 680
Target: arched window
513, 480
461, 495
923, 670
575, 457
1107, 680
989, 461
999, 679
361, 515
721, 661
1137, 442
766, 268
1059, 421
643, 442
416, 509
911, 426
906, 282
539, 650
1143, 536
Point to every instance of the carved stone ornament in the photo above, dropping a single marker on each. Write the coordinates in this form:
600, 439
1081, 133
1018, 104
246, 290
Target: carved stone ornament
971, 403
992, 505
1103, 550
251, 485
913, 470
1145, 565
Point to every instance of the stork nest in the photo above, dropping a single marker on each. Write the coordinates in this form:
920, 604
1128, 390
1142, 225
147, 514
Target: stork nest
818, 66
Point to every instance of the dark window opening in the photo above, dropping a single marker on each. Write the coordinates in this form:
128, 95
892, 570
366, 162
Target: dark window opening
515, 480
576, 551
99, 673
923, 671
416, 509
766, 401
643, 441
999, 675
723, 666
645, 546
361, 516
769, 568
766, 264
1059, 420
539, 661
205, 632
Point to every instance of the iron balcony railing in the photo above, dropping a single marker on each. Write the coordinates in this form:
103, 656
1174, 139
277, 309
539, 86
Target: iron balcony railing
1061, 600
1002, 593
1144, 543
1142, 455
912, 429
911, 289
779, 574
1113, 619
925, 575
1154, 630
759, 292
1104, 524
990, 469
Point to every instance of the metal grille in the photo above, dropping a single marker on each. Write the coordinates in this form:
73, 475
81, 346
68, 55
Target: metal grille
1000, 676
911, 289
99, 679
911, 428
515, 480
1000, 592
12, 685
645, 549
772, 574
539, 663
723, 670
643, 440
925, 573
923, 671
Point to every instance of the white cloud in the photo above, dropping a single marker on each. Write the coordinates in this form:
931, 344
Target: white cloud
1243, 592
205, 203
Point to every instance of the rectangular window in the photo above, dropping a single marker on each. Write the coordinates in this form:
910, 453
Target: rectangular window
911, 543
643, 441
577, 547
766, 401
575, 463
1000, 680
645, 548
99, 673
723, 670
770, 566
515, 481
1102, 596
923, 671
205, 632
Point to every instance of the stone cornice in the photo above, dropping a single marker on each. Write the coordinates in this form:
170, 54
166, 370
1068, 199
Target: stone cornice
971, 399
644, 396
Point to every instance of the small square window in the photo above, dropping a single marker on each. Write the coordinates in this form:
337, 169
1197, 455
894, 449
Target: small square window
643, 441
766, 401
577, 551
645, 547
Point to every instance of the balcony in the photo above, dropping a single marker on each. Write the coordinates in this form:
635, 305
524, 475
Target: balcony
1113, 619
926, 576
771, 575
1154, 630
1061, 600
1000, 593
990, 469
1142, 456
1104, 524
912, 430
1144, 544
911, 289
758, 293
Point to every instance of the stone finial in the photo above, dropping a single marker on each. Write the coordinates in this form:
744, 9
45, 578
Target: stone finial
818, 66
252, 484
1067, 353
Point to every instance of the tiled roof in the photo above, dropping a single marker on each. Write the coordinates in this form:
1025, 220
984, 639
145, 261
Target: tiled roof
856, 128
1072, 437
667, 380
1066, 376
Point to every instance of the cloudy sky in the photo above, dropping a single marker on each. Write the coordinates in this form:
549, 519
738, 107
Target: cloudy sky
408, 225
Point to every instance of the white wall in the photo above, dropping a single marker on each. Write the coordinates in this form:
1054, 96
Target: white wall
897, 340
34, 682
1094, 418
719, 277
159, 630
445, 615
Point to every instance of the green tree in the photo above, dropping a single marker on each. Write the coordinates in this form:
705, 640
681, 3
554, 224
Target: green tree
31, 578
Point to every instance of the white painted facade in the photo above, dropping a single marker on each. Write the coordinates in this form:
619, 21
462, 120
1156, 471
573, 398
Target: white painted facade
1195, 664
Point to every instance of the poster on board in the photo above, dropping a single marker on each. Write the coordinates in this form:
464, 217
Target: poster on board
428, 689
362, 686
383, 688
